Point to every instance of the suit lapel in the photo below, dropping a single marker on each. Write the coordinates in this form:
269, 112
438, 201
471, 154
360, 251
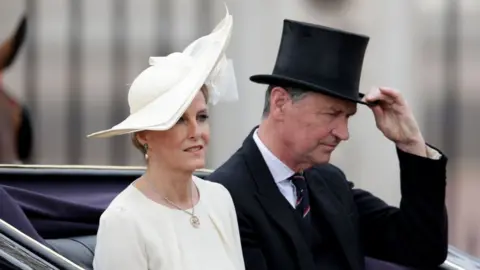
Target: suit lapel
274, 204
335, 214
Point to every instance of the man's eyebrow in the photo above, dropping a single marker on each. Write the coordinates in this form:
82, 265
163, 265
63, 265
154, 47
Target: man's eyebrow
335, 108
338, 109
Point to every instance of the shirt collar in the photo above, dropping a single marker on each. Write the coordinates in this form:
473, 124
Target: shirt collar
280, 172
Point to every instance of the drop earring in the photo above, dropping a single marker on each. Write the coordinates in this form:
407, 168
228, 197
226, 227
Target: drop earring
145, 150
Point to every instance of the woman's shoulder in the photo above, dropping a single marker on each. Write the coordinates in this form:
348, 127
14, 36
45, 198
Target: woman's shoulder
217, 198
122, 206
211, 189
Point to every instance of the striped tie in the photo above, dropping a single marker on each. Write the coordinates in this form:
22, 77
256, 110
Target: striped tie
303, 202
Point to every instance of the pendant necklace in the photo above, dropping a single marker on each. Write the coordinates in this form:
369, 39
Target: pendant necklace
194, 220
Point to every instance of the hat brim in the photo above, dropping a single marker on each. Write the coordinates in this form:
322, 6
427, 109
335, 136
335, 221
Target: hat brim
163, 112
285, 81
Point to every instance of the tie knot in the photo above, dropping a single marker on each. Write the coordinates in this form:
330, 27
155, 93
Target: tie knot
299, 181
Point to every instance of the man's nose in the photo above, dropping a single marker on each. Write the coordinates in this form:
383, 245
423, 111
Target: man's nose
341, 130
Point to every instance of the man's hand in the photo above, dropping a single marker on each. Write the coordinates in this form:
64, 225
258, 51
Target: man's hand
395, 120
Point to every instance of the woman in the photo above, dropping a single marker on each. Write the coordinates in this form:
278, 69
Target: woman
168, 218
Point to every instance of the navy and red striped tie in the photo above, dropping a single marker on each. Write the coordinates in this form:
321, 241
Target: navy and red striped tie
303, 203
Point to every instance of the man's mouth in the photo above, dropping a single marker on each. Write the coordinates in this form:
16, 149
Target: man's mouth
332, 146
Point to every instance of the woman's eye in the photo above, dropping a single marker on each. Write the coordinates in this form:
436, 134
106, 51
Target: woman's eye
203, 117
181, 120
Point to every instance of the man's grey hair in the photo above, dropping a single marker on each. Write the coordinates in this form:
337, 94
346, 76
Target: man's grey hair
295, 95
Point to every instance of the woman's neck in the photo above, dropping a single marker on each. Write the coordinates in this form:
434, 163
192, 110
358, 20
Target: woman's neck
174, 185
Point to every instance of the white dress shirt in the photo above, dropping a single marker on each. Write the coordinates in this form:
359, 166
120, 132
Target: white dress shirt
279, 171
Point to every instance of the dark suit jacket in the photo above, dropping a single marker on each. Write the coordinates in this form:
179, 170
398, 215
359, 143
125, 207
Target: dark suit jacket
414, 234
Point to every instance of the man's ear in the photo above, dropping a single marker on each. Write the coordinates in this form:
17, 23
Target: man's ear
279, 97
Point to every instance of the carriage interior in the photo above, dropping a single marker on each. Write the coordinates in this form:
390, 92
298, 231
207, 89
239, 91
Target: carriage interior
95, 186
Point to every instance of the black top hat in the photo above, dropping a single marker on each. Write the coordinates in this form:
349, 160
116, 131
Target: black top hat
320, 59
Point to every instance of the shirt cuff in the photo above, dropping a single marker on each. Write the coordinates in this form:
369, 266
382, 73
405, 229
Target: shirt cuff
432, 153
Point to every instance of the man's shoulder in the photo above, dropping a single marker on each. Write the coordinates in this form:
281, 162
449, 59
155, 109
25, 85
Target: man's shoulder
332, 175
230, 171
235, 176
328, 170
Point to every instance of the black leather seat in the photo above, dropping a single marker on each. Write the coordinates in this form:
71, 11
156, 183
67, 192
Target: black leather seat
79, 250
26, 253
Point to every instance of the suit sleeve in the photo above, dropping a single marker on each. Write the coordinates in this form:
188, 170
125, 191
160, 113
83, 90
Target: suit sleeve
416, 233
119, 245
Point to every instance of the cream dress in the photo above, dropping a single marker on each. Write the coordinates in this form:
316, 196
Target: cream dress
136, 233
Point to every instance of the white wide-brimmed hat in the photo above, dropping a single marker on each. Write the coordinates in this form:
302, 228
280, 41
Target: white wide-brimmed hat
161, 93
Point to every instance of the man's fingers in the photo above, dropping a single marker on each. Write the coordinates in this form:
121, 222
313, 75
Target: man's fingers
378, 96
377, 111
393, 93
384, 95
373, 95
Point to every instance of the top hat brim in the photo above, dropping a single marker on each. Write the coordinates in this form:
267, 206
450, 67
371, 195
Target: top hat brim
284, 81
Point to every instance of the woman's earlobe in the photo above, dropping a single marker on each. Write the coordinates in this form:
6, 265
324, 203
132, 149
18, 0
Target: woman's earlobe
145, 150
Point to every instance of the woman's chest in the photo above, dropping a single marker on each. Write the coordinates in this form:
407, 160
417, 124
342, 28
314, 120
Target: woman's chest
177, 244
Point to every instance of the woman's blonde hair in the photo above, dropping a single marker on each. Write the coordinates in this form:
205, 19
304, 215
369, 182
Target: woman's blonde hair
140, 146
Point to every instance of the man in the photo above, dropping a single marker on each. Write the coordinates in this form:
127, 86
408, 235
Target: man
297, 211
16, 134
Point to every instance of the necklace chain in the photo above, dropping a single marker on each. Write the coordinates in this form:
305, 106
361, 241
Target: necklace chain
179, 208
194, 220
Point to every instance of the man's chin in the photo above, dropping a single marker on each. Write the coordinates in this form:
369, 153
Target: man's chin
325, 158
